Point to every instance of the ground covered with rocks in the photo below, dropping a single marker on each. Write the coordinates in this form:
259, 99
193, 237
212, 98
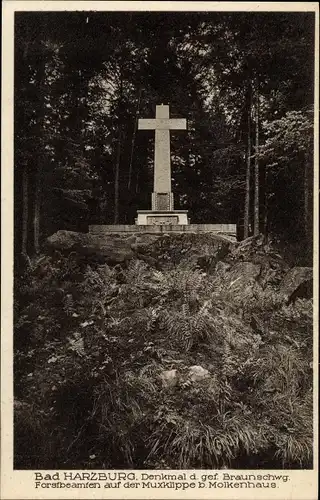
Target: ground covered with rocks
183, 351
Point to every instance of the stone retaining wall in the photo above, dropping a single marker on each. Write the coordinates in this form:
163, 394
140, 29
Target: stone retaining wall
230, 229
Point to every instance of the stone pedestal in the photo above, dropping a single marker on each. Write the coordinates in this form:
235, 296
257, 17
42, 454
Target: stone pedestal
162, 218
227, 231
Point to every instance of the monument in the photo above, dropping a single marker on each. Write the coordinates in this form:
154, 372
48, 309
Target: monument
162, 218
162, 197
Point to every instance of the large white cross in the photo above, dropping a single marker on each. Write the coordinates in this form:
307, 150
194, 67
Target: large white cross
162, 125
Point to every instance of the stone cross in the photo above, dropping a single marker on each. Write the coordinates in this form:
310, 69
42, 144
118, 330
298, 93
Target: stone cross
162, 197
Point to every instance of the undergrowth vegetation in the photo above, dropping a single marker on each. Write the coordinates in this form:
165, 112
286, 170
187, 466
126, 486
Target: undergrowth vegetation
91, 343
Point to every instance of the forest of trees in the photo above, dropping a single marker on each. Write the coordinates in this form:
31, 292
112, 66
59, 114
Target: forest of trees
244, 81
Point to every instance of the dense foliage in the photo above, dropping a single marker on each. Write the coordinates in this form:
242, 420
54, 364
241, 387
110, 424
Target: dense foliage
92, 343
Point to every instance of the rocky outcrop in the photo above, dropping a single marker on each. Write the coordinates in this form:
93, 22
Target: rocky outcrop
252, 265
155, 249
142, 243
197, 373
111, 250
298, 282
241, 274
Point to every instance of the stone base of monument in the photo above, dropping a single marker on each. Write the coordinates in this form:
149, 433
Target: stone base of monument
227, 230
162, 218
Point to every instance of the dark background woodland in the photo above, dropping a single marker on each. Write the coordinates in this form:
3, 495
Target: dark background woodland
244, 81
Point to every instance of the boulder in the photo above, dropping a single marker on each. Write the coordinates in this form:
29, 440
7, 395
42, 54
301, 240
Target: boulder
248, 247
143, 242
241, 274
259, 250
207, 263
222, 267
169, 378
109, 249
297, 283
197, 373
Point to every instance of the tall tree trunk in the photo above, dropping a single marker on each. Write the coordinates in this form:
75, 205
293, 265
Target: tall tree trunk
133, 139
36, 212
39, 165
118, 156
247, 194
116, 181
256, 225
266, 202
306, 200
25, 211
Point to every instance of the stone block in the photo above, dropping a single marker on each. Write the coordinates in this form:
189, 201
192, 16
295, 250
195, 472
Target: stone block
162, 218
227, 230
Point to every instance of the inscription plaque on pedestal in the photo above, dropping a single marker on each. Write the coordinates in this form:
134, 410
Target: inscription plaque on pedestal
170, 221
162, 201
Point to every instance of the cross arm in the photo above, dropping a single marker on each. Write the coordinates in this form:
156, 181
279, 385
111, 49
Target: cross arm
162, 124
146, 124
